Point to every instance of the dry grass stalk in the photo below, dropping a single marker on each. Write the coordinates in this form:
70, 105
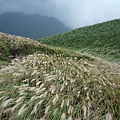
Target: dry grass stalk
20, 99
70, 110
22, 110
55, 111
15, 106
108, 116
62, 104
70, 118
7, 102
47, 109
63, 116
84, 110
56, 98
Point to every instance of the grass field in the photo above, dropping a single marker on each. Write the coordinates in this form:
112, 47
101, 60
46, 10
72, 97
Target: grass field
51, 83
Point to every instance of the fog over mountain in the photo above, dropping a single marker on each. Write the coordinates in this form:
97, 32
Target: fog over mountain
73, 13
32, 26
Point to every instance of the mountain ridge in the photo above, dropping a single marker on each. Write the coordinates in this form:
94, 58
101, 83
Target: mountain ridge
32, 26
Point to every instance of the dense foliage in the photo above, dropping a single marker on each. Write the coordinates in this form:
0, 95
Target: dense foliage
100, 39
4, 53
3, 50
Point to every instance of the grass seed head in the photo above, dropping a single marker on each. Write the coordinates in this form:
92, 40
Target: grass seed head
70, 118
68, 102
20, 99
56, 98
70, 110
55, 111
38, 83
41, 86
7, 102
22, 110
63, 116
62, 104
7, 111
84, 110
47, 109
62, 88
15, 106
108, 116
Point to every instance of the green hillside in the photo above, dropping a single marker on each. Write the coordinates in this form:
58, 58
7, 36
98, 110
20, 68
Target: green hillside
21, 46
101, 40
48, 83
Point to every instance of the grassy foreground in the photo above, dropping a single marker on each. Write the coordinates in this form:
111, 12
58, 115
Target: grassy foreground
53, 87
56, 84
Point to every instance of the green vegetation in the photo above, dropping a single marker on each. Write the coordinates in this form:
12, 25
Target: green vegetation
4, 53
102, 40
19, 46
3, 49
50, 83
55, 87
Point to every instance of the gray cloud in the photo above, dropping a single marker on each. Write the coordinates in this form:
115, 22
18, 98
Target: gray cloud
73, 13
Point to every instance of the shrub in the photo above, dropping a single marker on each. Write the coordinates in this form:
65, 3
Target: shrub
3, 50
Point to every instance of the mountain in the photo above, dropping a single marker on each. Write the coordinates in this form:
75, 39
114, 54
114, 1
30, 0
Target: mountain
32, 26
38, 81
102, 40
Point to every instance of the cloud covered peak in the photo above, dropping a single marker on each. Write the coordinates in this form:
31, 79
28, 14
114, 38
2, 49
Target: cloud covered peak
73, 13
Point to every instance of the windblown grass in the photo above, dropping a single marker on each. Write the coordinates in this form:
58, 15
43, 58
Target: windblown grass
56, 84
54, 87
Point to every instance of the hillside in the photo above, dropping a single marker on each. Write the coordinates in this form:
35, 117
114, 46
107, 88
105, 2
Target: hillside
50, 83
32, 26
102, 40
21, 46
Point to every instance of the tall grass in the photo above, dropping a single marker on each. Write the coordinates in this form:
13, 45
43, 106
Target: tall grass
44, 82
56, 87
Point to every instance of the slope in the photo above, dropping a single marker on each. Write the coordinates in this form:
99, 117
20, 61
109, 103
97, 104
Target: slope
101, 40
53, 83
12, 46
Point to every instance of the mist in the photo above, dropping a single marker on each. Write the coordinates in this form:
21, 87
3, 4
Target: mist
73, 13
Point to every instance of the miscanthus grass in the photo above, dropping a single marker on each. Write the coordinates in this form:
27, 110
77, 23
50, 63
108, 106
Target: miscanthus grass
54, 87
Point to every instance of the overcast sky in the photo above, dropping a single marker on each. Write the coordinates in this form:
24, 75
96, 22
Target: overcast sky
73, 13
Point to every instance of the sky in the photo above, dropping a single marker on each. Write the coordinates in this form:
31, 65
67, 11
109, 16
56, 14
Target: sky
73, 13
